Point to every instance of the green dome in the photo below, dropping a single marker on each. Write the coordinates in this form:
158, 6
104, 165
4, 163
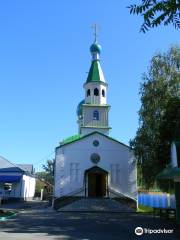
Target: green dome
95, 48
79, 109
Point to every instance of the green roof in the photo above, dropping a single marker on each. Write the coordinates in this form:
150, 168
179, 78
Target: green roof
95, 72
169, 173
78, 137
71, 139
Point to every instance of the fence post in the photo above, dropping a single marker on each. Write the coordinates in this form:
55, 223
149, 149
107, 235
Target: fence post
42, 190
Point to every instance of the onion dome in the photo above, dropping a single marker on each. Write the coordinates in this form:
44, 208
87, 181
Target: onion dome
95, 48
79, 109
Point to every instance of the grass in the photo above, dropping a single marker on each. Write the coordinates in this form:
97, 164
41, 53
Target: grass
144, 209
149, 210
6, 214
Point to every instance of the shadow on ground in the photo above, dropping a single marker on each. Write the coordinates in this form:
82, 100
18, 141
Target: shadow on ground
92, 226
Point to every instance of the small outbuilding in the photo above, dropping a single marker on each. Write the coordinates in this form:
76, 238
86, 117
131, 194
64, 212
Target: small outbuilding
16, 181
172, 172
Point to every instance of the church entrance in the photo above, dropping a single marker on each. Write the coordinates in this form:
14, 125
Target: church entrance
97, 182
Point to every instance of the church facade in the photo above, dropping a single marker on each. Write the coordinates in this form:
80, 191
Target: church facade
92, 163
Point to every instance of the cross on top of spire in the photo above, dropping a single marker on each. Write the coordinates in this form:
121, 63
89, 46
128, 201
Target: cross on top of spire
95, 48
95, 27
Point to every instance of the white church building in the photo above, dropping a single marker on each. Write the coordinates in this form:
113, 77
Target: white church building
91, 163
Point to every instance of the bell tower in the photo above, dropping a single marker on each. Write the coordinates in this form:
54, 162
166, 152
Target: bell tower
93, 110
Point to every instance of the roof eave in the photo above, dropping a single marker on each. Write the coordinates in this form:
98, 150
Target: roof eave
95, 132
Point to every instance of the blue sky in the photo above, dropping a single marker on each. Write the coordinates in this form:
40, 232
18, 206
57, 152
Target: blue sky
44, 60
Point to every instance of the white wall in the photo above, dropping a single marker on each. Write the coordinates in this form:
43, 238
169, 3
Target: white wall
95, 99
88, 116
85, 131
111, 153
28, 187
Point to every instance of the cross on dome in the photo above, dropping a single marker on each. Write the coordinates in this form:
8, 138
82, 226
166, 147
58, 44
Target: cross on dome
95, 48
95, 27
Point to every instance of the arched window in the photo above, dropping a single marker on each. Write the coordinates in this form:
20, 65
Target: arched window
96, 92
95, 115
88, 92
103, 93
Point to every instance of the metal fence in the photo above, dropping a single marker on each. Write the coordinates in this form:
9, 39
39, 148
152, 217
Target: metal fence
157, 200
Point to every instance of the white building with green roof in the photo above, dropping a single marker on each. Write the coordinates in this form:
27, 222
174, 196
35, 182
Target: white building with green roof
17, 181
92, 163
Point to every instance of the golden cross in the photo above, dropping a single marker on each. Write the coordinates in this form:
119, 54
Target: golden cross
95, 27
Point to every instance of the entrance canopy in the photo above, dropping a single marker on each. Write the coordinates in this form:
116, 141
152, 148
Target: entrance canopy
9, 179
169, 173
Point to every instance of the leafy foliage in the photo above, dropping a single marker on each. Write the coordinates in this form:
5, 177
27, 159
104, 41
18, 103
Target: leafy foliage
158, 115
156, 12
48, 173
39, 184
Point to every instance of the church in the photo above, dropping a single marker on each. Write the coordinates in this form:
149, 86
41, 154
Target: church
92, 163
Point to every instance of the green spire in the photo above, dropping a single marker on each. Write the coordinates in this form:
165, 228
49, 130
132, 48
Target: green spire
95, 73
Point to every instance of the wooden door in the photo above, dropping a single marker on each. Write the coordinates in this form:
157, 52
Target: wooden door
91, 185
96, 184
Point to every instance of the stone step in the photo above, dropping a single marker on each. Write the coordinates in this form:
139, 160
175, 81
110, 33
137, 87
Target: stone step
96, 205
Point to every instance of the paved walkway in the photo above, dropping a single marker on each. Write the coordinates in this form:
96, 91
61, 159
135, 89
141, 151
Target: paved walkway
43, 223
96, 205
48, 224
34, 204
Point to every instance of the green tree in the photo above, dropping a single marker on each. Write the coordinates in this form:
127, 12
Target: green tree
156, 12
160, 104
48, 173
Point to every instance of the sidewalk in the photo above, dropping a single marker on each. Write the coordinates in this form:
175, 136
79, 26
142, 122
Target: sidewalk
21, 205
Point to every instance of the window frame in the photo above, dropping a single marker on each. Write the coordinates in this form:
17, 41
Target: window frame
96, 115
96, 92
88, 93
103, 93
